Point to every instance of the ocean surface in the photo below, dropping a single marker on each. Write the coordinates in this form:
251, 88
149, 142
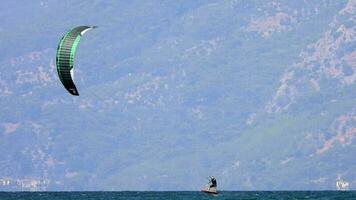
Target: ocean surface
324, 195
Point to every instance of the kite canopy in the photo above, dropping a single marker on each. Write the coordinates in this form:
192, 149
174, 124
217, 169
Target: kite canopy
65, 56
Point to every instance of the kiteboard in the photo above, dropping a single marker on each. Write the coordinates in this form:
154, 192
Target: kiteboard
209, 191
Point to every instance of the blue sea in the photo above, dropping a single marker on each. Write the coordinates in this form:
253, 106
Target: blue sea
322, 195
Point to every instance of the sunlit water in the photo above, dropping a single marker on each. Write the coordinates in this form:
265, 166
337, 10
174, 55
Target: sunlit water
322, 195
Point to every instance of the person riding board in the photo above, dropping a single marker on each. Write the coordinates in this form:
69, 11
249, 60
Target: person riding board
212, 186
212, 182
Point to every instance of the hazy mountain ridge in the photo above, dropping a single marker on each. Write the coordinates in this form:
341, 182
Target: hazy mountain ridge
331, 57
198, 92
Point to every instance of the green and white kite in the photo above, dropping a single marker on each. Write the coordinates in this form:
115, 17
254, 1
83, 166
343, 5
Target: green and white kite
65, 56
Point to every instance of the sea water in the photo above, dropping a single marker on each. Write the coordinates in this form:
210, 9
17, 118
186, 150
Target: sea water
322, 195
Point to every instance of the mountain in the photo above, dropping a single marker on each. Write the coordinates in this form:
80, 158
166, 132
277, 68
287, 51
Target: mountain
260, 94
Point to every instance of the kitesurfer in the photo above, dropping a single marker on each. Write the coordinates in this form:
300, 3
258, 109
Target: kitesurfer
212, 182
212, 186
